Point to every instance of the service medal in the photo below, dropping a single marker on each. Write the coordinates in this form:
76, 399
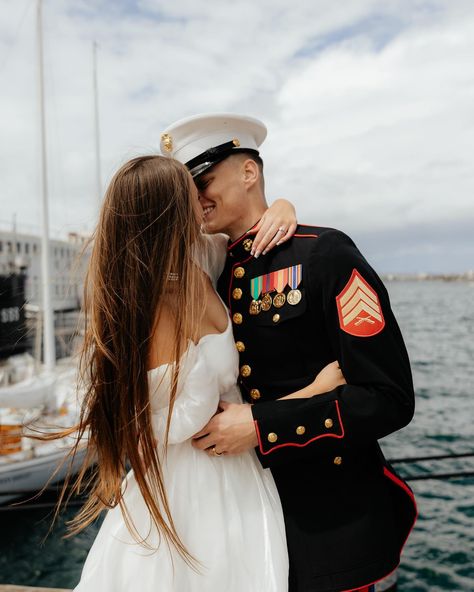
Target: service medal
266, 302
279, 300
293, 297
255, 307
281, 279
255, 291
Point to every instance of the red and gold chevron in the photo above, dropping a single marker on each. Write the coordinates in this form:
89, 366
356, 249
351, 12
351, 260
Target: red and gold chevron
359, 309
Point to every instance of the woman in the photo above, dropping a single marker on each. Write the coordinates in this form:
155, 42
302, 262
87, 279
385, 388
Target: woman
158, 356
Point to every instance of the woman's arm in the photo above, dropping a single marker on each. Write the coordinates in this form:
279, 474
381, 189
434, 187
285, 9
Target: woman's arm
277, 225
328, 379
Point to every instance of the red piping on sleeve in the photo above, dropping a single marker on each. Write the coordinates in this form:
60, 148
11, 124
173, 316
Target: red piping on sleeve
295, 444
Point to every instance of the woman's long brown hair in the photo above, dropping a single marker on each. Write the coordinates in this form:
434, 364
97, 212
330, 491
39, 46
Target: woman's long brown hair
146, 235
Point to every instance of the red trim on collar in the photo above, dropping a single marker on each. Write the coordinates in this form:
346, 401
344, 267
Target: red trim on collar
229, 247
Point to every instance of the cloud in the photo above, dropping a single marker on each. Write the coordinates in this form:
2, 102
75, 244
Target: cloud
368, 104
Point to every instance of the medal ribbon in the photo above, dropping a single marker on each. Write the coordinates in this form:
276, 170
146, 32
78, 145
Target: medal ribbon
295, 274
256, 285
267, 287
281, 279
273, 276
276, 280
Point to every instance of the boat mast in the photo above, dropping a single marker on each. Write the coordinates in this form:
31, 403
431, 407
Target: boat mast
96, 125
48, 315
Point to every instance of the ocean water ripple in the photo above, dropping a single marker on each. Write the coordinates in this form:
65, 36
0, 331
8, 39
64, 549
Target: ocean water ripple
437, 321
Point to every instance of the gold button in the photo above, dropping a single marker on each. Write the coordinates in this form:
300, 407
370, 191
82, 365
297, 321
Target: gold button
300, 430
237, 318
240, 345
338, 460
247, 244
272, 437
328, 423
255, 394
276, 318
239, 272
236, 293
245, 371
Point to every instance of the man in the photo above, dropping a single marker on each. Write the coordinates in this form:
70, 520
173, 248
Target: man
312, 300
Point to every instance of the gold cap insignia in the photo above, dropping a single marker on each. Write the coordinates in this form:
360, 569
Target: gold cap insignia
167, 142
236, 142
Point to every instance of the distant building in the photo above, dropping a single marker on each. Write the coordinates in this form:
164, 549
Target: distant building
22, 252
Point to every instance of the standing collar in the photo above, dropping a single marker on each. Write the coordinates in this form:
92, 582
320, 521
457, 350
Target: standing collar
240, 248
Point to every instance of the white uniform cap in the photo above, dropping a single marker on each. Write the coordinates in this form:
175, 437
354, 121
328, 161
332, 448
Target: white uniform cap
201, 141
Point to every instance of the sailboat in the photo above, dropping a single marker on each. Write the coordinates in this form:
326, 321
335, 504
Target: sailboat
34, 395
31, 398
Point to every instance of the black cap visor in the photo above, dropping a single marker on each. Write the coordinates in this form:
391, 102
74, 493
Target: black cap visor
201, 163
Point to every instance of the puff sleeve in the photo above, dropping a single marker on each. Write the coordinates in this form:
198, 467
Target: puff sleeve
196, 400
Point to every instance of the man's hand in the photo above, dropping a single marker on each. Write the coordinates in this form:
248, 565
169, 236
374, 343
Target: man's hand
231, 432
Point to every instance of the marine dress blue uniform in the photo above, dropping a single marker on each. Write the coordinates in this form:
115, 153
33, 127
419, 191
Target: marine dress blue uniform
347, 513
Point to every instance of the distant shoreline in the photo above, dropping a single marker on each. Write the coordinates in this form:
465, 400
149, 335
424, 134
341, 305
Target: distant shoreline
468, 276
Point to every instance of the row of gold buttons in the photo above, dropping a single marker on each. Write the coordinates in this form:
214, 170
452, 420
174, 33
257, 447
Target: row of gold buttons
300, 430
237, 317
237, 294
272, 437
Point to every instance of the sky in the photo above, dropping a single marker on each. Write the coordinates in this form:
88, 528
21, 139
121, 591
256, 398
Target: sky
369, 107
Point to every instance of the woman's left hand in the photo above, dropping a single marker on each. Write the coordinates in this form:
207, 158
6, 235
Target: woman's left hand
277, 225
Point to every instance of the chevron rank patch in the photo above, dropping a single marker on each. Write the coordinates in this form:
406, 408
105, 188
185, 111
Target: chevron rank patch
359, 309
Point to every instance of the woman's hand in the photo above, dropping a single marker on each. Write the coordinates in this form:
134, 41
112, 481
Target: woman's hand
276, 226
328, 379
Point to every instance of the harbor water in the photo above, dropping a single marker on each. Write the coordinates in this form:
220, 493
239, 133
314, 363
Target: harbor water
437, 321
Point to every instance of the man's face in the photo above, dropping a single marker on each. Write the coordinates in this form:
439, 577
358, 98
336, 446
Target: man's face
222, 195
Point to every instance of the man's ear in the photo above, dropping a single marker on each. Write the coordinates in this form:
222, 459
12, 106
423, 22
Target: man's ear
251, 172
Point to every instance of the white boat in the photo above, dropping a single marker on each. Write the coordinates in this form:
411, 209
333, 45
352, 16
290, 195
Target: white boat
34, 390
31, 397
45, 401
20, 478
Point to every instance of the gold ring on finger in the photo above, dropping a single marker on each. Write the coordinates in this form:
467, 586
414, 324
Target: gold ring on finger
215, 452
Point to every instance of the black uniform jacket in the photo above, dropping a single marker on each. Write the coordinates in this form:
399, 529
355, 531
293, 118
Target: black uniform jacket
347, 513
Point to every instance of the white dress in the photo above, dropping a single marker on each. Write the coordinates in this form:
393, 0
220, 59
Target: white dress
226, 509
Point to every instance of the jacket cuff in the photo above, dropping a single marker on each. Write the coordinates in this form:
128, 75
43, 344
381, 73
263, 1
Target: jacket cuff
277, 428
